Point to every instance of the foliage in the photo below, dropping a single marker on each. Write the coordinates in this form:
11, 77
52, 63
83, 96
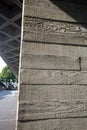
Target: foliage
6, 75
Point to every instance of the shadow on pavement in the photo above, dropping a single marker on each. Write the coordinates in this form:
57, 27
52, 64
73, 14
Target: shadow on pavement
5, 93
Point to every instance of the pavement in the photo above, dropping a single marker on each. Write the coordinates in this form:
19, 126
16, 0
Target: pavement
8, 109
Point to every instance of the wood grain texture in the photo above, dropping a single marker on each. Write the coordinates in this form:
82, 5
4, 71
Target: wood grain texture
29, 76
50, 62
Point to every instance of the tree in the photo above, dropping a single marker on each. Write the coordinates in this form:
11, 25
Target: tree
7, 76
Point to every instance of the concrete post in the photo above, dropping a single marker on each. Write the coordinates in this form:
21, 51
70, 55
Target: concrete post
53, 73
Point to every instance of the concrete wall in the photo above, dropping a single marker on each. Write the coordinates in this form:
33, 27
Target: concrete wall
53, 76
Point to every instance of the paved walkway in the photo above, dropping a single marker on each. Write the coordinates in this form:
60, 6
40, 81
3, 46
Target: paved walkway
8, 107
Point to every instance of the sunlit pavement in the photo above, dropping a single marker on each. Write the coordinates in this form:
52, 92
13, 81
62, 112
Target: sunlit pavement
8, 108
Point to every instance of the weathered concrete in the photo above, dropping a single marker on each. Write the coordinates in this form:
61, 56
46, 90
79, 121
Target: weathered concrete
29, 76
61, 124
53, 73
52, 101
51, 9
54, 32
50, 62
84, 63
53, 49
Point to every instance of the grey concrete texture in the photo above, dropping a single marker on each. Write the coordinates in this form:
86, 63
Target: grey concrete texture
53, 49
36, 93
53, 73
49, 31
50, 62
52, 101
60, 124
57, 10
33, 76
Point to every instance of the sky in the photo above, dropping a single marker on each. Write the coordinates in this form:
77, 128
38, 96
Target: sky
2, 64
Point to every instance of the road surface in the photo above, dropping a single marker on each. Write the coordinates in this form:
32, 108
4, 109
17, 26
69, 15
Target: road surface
8, 109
